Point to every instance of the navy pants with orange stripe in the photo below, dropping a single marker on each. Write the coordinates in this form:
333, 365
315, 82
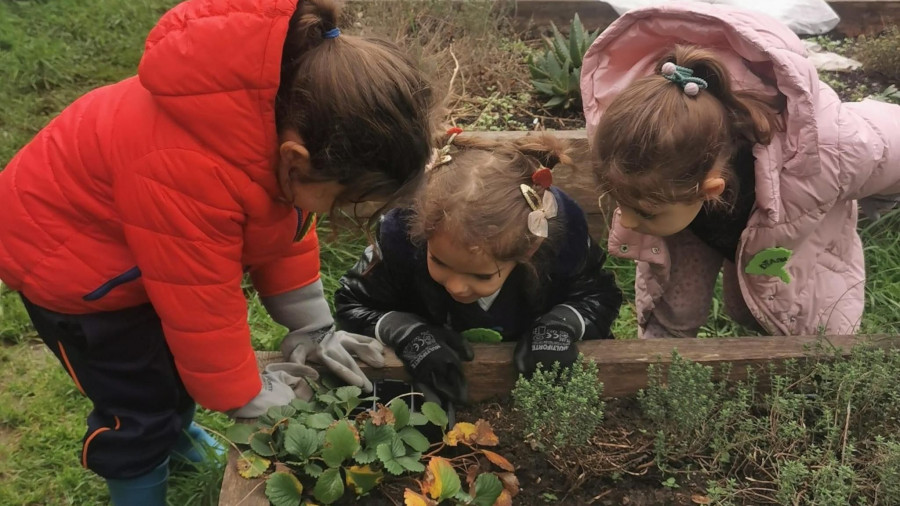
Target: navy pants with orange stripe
121, 362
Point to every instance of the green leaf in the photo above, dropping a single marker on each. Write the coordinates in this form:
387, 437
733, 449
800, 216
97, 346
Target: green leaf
328, 399
348, 392
329, 486
554, 102
435, 414
319, 420
487, 489
304, 406
340, 444
401, 413
574, 47
365, 455
482, 335
463, 497
240, 433
411, 464
301, 441
543, 87
284, 489
374, 435
446, 482
313, 470
387, 458
417, 419
398, 449
281, 412
261, 443
362, 479
414, 439
770, 262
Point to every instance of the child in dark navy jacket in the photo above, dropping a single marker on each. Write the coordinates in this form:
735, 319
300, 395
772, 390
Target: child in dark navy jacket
489, 243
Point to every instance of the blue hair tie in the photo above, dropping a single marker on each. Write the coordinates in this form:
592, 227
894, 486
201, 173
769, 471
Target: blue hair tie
331, 34
684, 77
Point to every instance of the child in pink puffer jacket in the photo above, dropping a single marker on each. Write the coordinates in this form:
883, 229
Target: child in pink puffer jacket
719, 144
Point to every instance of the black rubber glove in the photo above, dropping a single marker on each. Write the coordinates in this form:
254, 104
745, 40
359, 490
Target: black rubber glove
430, 353
551, 339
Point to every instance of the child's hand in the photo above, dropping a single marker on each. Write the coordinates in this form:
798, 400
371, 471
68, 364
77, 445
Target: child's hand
551, 339
430, 353
281, 383
335, 349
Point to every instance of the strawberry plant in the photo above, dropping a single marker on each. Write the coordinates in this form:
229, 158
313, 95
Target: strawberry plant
317, 450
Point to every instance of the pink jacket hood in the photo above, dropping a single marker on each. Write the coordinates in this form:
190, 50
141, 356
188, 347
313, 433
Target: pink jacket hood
807, 179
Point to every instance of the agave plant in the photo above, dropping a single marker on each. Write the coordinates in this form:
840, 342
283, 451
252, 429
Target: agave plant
557, 73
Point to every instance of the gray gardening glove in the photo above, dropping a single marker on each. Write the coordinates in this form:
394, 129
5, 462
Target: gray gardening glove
876, 205
335, 349
306, 314
281, 383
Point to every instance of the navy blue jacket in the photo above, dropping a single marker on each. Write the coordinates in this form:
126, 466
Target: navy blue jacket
567, 270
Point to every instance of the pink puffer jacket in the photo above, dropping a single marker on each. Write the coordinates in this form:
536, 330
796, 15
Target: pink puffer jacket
807, 179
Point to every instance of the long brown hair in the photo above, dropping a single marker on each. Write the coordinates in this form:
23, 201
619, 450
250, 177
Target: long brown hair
364, 110
656, 144
476, 198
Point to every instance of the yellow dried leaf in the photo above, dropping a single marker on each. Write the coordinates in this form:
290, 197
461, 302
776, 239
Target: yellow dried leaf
498, 460
462, 432
484, 434
250, 465
411, 498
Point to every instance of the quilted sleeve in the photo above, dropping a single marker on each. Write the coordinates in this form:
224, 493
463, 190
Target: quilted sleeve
298, 268
869, 149
184, 227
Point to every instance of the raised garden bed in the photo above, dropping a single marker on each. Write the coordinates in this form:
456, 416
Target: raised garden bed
623, 370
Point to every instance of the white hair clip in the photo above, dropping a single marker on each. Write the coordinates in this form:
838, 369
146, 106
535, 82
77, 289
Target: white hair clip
541, 210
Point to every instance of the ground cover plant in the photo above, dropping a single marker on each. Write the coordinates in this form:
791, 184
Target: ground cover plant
52, 52
309, 450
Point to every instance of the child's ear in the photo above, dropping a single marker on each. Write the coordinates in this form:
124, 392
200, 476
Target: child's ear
713, 186
293, 162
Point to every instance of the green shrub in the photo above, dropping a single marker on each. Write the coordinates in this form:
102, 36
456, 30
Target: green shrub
557, 73
879, 54
561, 407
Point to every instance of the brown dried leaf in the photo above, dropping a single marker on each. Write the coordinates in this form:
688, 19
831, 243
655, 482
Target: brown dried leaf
383, 415
510, 483
504, 500
700, 499
499, 460
484, 434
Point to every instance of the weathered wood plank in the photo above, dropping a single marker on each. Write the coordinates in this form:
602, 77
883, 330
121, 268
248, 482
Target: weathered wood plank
623, 363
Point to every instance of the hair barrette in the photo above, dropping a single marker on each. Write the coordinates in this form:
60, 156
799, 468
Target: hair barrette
541, 210
442, 156
684, 77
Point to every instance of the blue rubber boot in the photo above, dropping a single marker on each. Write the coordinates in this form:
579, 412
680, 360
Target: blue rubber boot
145, 490
194, 443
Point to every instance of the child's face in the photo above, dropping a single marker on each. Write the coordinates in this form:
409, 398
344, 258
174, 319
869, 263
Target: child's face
467, 275
661, 220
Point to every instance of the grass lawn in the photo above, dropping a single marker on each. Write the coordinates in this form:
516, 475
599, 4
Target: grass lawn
52, 52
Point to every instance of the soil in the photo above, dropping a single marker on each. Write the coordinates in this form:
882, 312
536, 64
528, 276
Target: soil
616, 468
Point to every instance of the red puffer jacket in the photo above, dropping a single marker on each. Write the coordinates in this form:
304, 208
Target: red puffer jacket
161, 189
